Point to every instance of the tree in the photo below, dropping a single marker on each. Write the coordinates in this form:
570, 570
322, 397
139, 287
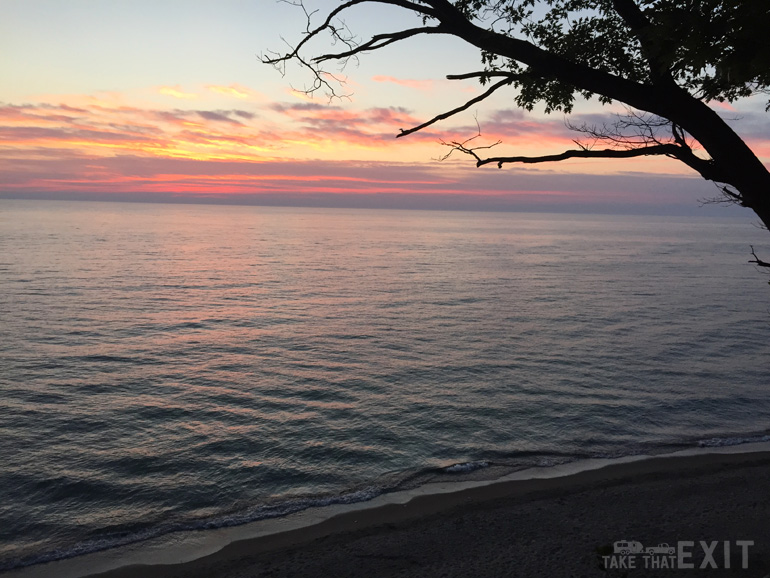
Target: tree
664, 59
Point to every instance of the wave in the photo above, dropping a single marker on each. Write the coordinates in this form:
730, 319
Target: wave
466, 467
394, 482
720, 442
256, 514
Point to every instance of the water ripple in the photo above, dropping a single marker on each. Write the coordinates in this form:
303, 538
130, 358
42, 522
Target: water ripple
161, 380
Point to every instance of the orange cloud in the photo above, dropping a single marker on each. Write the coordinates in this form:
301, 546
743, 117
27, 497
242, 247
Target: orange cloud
364, 128
301, 95
98, 132
176, 92
290, 148
233, 90
294, 130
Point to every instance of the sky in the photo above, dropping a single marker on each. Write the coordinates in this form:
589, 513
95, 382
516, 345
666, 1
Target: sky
167, 100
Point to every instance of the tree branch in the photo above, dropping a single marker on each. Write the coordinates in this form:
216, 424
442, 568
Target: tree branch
511, 78
380, 41
557, 75
662, 149
486, 74
279, 60
757, 261
542, 63
635, 130
309, 34
730, 196
546, 64
635, 19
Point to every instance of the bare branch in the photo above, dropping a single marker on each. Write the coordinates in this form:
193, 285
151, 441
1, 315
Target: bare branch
480, 75
629, 130
731, 195
678, 134
461, 147
545, 64
585, 151
663, 149
676, 119
636, 129
309, 34
465, 106
279, 60
541, 62
757, 261
727, 197
380, 41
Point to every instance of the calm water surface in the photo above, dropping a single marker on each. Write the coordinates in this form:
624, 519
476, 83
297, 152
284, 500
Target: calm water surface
168, 367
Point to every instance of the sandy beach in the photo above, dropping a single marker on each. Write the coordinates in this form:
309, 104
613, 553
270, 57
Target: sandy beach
543, 527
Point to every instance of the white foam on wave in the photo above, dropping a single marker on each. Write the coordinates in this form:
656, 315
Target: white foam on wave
286, 508
466, 467
136, 540
185, 546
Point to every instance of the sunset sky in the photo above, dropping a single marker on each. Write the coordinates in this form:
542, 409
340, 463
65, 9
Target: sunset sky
167, 99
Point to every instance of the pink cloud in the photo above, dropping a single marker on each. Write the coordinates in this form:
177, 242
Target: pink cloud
331, 183
54, 147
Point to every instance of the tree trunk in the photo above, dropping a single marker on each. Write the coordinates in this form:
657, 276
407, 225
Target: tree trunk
733, 162
754, 190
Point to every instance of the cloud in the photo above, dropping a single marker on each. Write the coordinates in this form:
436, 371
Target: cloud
294, 129
307, 148
38, 134
300, 94
290, 108
103, 131
176, 92
333, 183
370, 127
376, 126
221, 116
234, 90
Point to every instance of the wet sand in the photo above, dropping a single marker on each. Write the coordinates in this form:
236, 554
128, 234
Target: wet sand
538, 527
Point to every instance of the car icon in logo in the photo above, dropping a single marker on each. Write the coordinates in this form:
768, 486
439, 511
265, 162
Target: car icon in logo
627, 547
661, 549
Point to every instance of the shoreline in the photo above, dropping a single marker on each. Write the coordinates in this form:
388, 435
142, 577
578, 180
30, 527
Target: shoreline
600, 498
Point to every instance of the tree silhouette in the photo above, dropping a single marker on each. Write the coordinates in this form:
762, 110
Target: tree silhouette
664, 59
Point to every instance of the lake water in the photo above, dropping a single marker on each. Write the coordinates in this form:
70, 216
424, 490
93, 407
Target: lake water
176, 367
